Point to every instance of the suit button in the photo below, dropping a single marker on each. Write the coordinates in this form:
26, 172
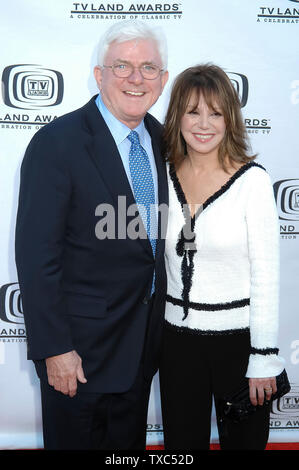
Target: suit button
145, 301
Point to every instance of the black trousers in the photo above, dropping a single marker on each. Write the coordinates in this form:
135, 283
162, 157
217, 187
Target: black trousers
195, 368
96, 421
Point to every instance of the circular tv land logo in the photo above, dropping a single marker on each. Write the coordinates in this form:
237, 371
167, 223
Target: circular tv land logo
11, 310
29, 86
240, 82
288, 404
287, 198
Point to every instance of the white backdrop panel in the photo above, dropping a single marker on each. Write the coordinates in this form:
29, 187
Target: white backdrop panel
255, 42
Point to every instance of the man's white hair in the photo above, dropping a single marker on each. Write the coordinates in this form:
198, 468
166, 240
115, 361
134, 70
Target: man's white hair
129, 30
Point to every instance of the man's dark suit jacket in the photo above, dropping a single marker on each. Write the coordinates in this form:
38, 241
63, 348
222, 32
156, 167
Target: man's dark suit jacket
79, 292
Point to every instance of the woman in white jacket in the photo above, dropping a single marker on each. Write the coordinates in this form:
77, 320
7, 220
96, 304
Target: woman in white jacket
222, 260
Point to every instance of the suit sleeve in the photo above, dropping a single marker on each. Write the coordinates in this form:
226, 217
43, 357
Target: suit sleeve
44, 198
263, 246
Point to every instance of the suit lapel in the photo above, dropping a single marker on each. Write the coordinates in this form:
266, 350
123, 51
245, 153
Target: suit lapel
104, 153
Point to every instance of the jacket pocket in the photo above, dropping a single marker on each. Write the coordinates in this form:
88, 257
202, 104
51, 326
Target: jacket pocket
79, 305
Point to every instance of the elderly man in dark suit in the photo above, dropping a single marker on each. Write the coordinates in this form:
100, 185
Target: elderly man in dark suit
94, 305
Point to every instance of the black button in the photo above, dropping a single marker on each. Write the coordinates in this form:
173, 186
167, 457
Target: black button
145, 301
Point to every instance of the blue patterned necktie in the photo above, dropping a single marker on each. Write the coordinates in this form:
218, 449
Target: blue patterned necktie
143, 187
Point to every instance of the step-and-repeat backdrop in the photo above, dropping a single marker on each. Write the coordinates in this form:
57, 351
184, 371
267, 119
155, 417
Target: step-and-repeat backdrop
48, 50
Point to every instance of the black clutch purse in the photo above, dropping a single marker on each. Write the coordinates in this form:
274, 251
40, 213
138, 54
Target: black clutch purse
238, 406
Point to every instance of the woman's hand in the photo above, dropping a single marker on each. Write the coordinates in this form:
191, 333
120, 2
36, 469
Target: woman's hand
260, 389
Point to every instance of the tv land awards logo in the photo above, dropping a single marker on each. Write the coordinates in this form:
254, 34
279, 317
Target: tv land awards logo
28, 87
285, 410
12, 326
287, 197
241, 85
286, 193
256, 125
154, 429
285, 14
126, 10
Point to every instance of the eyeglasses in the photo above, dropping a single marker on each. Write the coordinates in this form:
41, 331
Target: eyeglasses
125, 69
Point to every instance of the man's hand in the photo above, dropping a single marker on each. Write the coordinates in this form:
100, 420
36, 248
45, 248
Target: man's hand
64, 371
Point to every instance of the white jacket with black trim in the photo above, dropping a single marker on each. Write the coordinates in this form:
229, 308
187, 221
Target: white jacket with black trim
223, 265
